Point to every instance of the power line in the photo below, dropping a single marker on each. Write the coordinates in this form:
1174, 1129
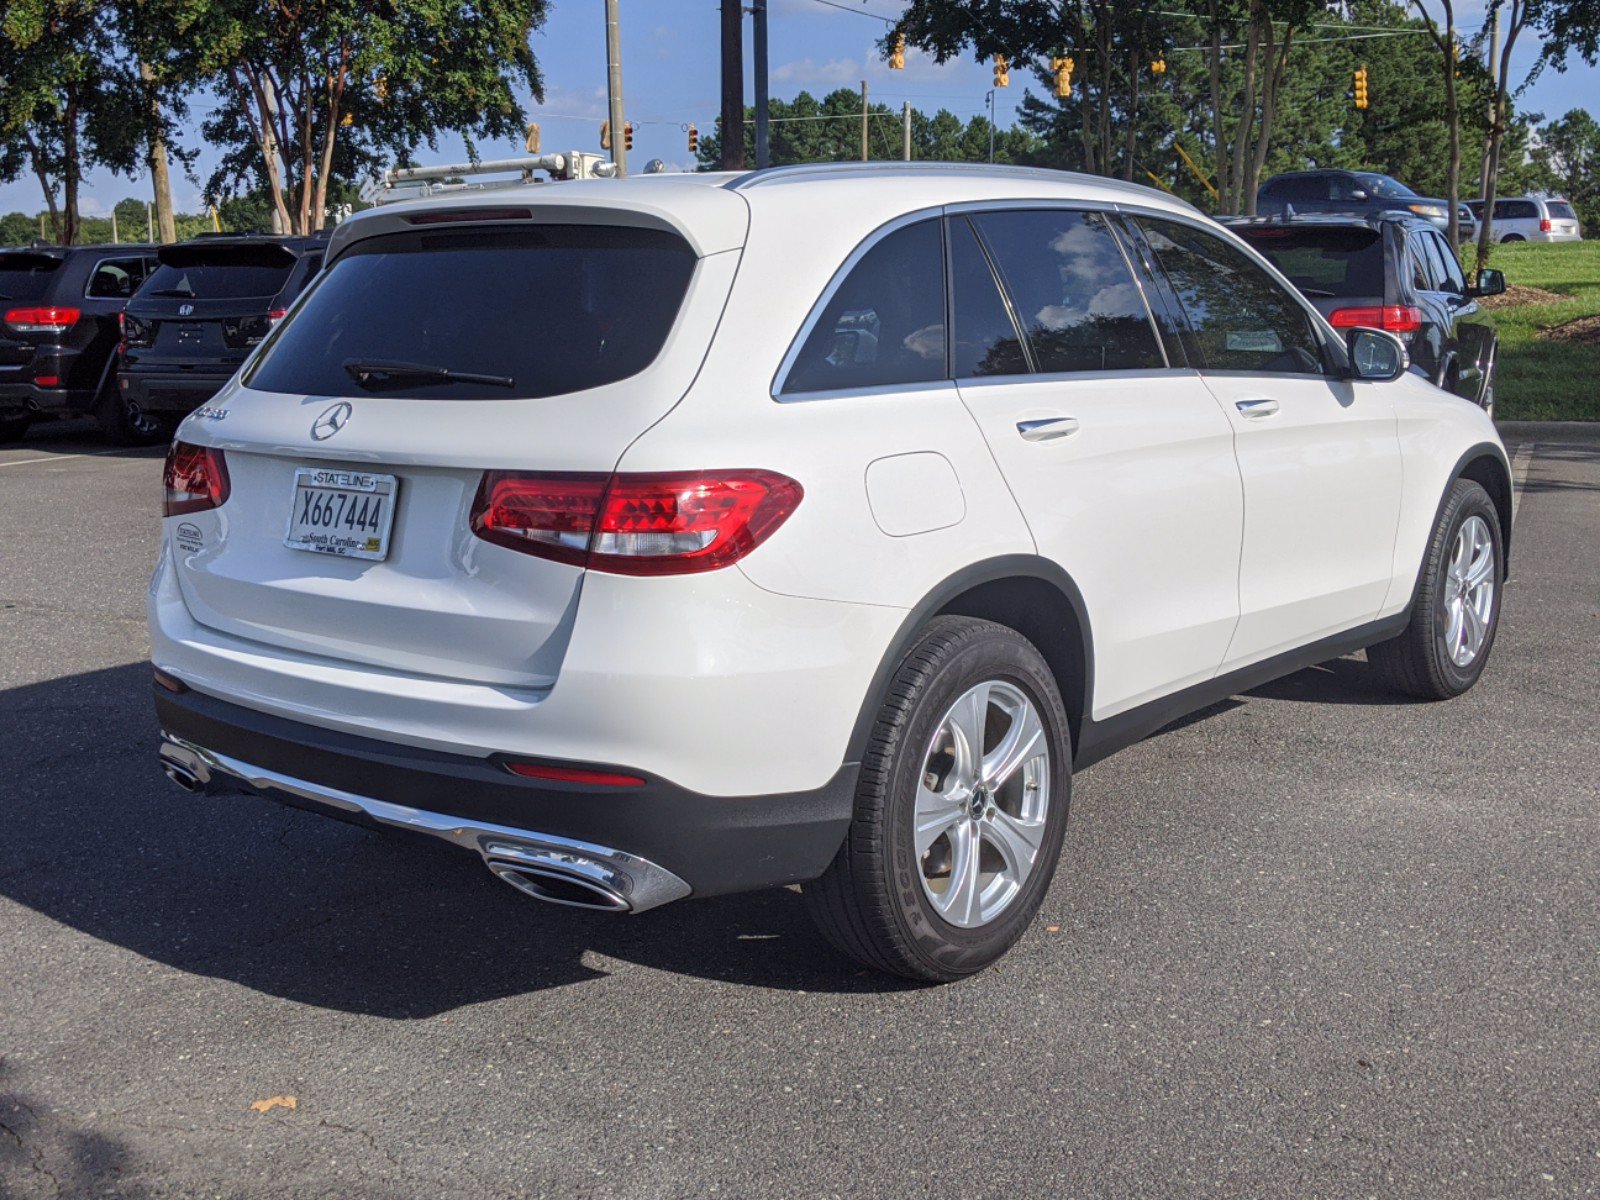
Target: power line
860, 12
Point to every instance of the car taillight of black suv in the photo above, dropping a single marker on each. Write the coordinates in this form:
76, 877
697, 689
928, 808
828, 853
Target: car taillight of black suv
58, 328
208, 304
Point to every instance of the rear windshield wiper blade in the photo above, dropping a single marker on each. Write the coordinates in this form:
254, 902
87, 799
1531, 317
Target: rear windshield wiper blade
1305, 291
377, 372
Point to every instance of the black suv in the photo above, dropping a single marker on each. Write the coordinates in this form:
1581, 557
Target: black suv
198, 316
1392, 272
1332, 191
58, 328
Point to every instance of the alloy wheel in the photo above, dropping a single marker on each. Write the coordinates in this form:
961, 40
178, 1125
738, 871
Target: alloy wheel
982, 802
1469, 591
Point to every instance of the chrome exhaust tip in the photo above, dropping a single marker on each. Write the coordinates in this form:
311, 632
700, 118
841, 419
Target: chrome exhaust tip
560, 887
183, 777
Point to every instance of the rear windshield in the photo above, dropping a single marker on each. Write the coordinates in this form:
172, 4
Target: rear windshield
220, 272
1338, 261
546, 310
1560, 210
26, 276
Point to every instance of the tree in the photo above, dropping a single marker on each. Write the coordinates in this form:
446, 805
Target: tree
1449, 53
68, 100
806, 129
311, 92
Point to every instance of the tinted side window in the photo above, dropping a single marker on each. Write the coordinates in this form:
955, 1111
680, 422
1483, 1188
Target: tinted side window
984, 340
1072, 291
1240, 318
1421, 270
885, 323
116, 278
1446, 266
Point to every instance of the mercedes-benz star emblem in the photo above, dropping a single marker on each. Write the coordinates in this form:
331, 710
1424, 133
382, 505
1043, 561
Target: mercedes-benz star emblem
185, 309
331, 421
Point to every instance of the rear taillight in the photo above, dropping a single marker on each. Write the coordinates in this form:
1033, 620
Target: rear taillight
136, 333
1396, 318
635, 524
51, 319
276, 315
196, 479
1544, 225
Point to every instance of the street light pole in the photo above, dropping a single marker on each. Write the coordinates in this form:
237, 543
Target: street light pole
619, 147
732, 85
990, 98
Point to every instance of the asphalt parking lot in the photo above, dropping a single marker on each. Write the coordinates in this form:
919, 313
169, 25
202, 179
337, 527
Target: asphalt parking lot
1315, 942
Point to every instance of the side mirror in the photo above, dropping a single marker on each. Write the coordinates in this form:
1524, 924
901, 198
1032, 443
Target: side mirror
1490, 283
1376, 355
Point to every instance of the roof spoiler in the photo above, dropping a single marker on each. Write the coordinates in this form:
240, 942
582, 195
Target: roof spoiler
415, 183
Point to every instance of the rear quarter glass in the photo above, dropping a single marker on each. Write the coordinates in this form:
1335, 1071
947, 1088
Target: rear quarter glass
555, 309
26, 277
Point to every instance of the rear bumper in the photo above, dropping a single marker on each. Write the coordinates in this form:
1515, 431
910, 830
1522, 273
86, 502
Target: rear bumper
17, 398
647, 844
169, 391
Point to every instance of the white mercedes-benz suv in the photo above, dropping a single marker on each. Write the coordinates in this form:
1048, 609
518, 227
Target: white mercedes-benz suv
684, 535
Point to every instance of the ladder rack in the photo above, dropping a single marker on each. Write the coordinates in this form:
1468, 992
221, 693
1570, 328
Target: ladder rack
415, 183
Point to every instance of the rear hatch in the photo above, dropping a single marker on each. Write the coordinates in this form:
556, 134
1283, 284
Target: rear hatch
206, 306
584, 335
1334, 266
25, 287
1563, 219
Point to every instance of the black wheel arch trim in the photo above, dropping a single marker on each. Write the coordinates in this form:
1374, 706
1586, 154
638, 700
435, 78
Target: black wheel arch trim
1496, 454
946, 592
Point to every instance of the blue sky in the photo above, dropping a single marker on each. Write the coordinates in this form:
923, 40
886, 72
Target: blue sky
670, 51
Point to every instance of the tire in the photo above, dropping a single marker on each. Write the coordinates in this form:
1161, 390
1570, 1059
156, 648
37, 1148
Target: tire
123, 425
1426, 661
12, 428
893, 910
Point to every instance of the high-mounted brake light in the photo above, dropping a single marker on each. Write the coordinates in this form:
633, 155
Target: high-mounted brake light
196, 479
50, 319
456, 216
635, 524
1396, 318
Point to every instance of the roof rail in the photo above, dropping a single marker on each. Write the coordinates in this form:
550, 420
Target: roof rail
415, 183
899, 166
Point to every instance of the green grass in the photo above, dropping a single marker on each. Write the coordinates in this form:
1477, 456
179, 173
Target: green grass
1538, 379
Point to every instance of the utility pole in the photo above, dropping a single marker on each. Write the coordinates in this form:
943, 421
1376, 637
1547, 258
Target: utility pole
732, 85
149, 223
115, 240
619, 140
759, 46
905, 132
991, 124
863, 120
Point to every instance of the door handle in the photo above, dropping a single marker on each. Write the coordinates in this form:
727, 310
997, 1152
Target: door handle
1253, 410
1048, 429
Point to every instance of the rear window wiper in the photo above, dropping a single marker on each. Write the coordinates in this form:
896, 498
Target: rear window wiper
1307, 291
378, 372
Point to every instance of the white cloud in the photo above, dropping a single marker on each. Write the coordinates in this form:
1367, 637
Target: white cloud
806, 72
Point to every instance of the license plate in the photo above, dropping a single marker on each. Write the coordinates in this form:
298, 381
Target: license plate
343, 512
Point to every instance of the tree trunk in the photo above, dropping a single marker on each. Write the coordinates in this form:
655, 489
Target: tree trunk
1219, 137
1276, 72
1247, 111
1497, 132
156, 160
1131, 139
1452, 116
42, 173
254, 95
71, 169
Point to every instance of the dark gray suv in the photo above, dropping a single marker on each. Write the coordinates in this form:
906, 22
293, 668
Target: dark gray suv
1329, 191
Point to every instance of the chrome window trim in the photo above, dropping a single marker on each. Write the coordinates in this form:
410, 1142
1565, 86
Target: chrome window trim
835, 282
927, 387
981, 381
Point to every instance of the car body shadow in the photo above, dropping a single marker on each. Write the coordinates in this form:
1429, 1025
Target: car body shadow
317, 911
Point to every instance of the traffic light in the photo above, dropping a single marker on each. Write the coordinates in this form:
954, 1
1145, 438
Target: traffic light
694, 140
897, 56
530, 138
1159, 67
1361, 86
1063, 69
1002, 71
627, 135
605, 135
